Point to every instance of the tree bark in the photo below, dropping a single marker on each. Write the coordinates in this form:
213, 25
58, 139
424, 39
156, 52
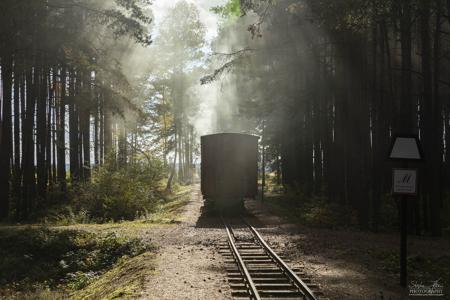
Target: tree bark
6, 136
405, 111
41, 133
73, 132
85, 126
427, 100
17, 172
174, 166
107, 132
61, 128
436, 156
28, 161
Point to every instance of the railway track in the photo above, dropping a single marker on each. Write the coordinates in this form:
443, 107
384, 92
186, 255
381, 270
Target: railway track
255, 271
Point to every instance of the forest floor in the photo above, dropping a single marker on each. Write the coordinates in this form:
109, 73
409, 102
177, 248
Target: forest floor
186, 263
347, 264
189, 265
178, 258
351, 264
168, 255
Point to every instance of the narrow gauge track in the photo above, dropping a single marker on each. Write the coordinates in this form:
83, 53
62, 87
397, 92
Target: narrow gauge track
255, 271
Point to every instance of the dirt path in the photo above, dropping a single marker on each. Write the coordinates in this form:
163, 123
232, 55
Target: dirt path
343, 261
338, 278
188, 264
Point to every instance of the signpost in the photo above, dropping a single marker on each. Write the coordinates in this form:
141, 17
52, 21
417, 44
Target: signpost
404, 148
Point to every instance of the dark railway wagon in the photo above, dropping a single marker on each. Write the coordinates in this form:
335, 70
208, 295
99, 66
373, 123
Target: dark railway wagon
229, 170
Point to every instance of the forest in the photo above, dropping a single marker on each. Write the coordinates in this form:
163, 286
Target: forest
326, 84
103, 103
329, 83
78, 105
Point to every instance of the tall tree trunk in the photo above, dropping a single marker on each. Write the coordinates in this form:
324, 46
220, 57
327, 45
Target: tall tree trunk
180, 151
29, 176
377, 120
165, 134
18, 97
341, 140
122, 143
52, 126
54, 149
108, 143
427, 99
308, 144
6, 136
96, 112
48, 129
436, 156
405, 111
174, 166
61, 128
85, 127
73, 132
41, 132
80, 113
102, 129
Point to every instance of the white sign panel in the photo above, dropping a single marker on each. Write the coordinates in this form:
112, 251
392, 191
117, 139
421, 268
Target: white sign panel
404, 181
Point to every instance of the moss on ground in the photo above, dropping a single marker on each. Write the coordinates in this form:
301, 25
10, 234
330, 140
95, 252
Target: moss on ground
124, 281
49, 263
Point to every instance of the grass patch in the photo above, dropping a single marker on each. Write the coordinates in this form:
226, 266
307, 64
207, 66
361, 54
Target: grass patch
123, 281
169, 210
43, 263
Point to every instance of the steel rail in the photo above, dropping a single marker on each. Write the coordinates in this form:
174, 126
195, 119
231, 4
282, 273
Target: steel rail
300, 284
241, 265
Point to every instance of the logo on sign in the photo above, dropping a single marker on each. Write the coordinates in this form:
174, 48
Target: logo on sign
404, 181
406, 178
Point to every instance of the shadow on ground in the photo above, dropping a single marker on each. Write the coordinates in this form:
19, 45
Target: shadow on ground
211, 217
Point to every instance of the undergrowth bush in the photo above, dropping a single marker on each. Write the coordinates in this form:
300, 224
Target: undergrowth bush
114, 193
314, 210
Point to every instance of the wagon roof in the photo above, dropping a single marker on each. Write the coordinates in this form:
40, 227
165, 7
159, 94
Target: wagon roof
231, 133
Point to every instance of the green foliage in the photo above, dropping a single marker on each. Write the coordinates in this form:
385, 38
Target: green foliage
315, 211
113, 193
230, 10
230, 13
42, 259
119, 193
181, 39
